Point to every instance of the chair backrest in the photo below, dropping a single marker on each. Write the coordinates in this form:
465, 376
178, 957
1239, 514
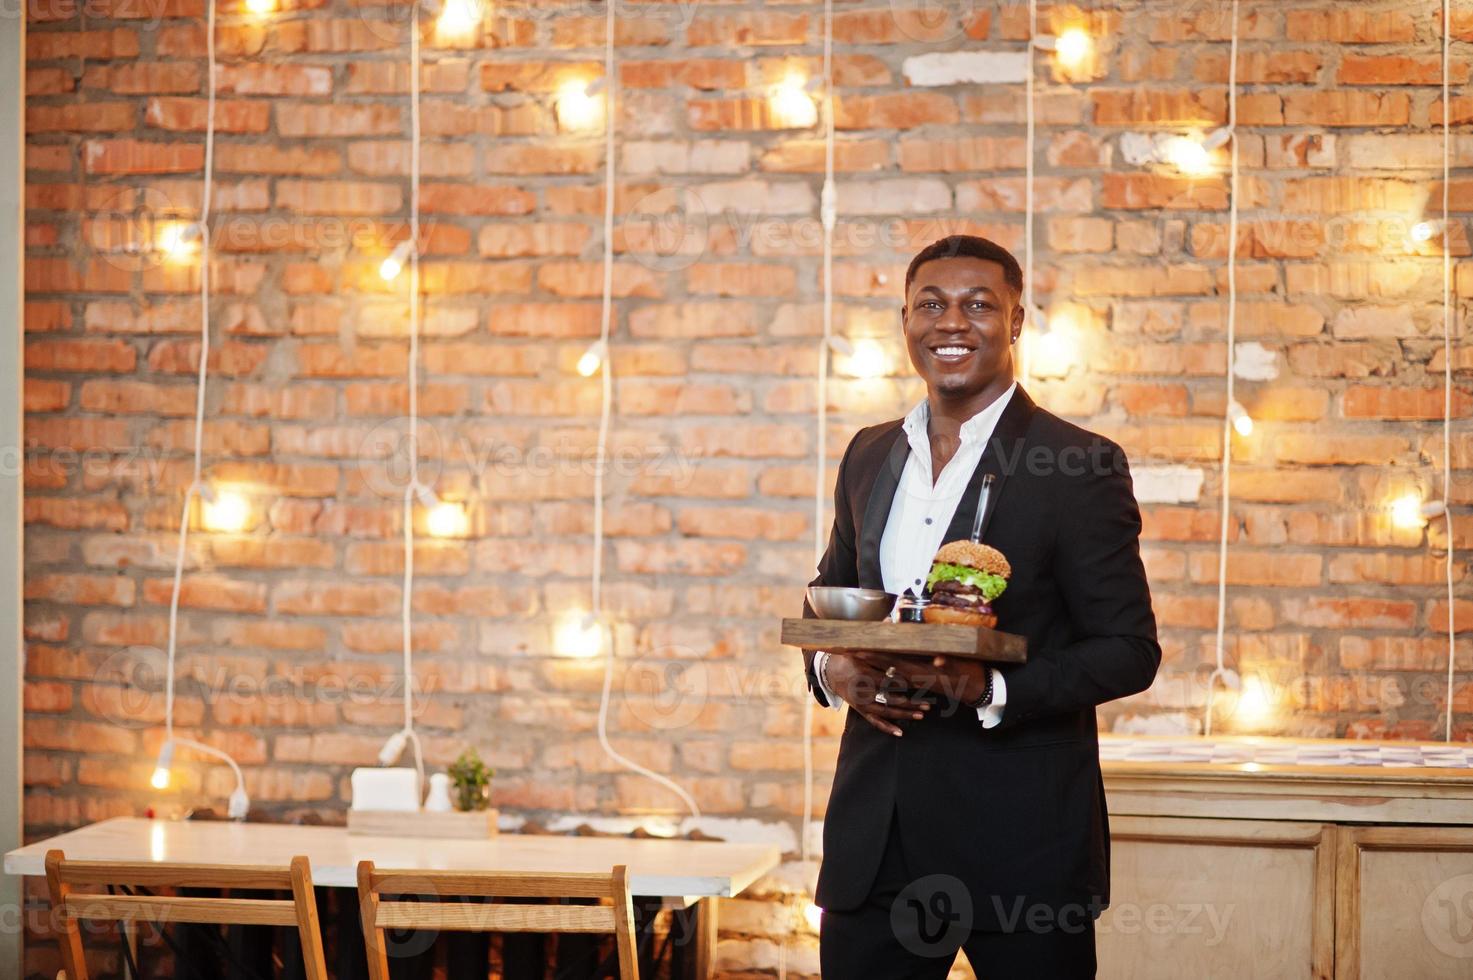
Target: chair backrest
71, 906
616, 918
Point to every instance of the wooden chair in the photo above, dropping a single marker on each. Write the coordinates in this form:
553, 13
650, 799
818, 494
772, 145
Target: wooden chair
74, 906
379, 915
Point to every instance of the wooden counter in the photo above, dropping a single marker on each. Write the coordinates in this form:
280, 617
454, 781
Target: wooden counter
1303, 866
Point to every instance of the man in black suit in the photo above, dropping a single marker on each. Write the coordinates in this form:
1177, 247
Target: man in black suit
968, 810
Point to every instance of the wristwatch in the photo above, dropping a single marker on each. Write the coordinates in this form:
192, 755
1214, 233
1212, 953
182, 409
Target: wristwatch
986, 697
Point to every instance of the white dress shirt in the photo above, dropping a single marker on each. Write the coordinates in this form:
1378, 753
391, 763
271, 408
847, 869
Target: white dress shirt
919, 516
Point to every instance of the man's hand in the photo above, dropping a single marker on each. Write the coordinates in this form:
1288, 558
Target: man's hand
957, 679
866, 688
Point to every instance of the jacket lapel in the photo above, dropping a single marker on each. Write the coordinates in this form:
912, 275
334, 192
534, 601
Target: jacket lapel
1004, 454
877, 509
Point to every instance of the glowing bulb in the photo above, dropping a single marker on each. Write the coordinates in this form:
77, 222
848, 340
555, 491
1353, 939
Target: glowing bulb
791, 104
577, 106
260, 7
226, 511
1073, 47
592, 359
458, 17
160, 778
578, 636
1410, 512
1189, 156
813, 914
1425, 231
1053, 355
447, 520
178, 240
1242, 421
1256, 705
393, 263
868, 360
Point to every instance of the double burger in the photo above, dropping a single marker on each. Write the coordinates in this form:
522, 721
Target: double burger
966, 576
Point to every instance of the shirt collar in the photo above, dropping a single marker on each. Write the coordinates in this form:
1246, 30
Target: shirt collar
977, 427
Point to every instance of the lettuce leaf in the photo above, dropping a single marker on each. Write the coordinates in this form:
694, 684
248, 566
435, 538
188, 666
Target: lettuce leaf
991, 586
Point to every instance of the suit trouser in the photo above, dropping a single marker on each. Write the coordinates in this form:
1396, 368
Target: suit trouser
911, 929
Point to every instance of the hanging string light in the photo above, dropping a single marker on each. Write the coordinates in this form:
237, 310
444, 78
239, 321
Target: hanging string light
1235, 419
414, 490
1443, 510
197, 231
590, 634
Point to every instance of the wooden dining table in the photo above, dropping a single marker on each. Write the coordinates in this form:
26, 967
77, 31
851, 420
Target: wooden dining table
684, 876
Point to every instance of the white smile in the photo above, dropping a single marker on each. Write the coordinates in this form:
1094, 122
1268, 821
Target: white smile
951, 352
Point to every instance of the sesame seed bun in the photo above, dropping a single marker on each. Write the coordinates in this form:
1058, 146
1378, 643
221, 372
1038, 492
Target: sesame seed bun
959, 617
974, 554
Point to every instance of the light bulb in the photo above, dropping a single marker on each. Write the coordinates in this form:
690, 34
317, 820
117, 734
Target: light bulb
458, 17
1242, 421
1256, 703
393, 263
160, 778
580, 637
1410, 512
447, 520
393, 749
791, 104
1189, 156
577, 106
178, 240
868, 360
813, 914
1053, 354
592, 359
260, 7
1073, 47
226, 511
1425, 231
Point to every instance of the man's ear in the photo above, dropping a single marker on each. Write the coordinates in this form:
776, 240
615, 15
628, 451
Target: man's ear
903, 310
1017, 328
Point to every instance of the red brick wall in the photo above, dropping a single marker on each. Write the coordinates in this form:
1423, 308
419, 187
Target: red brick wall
289, 632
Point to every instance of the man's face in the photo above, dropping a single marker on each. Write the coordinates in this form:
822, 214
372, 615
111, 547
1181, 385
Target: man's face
960, 321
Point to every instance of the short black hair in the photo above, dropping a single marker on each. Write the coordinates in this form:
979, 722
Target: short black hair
971, 246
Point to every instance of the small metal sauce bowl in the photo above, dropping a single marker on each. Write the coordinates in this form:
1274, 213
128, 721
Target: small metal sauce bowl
836, 602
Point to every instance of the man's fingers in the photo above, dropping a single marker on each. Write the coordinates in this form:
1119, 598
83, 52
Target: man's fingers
891, 713
883, 726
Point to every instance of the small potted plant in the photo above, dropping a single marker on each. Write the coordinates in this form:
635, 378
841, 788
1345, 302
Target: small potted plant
472, 779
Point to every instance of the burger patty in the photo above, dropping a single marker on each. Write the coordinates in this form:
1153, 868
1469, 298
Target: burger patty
959, 596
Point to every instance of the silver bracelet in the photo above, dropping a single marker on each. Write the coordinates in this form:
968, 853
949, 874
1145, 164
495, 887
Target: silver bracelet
823, 672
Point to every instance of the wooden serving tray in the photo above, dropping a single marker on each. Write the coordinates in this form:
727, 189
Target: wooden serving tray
917, 639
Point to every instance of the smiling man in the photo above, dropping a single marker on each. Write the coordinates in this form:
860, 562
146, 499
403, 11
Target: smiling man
968, 808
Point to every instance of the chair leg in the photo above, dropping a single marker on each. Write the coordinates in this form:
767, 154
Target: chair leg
70, 940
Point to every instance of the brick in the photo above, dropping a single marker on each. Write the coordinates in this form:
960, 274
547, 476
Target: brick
1349, 108
747, 29
1367, 401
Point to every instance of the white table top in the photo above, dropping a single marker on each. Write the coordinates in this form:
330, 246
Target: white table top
657, 867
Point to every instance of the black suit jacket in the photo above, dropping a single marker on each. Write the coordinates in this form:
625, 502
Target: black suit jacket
1015, 813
